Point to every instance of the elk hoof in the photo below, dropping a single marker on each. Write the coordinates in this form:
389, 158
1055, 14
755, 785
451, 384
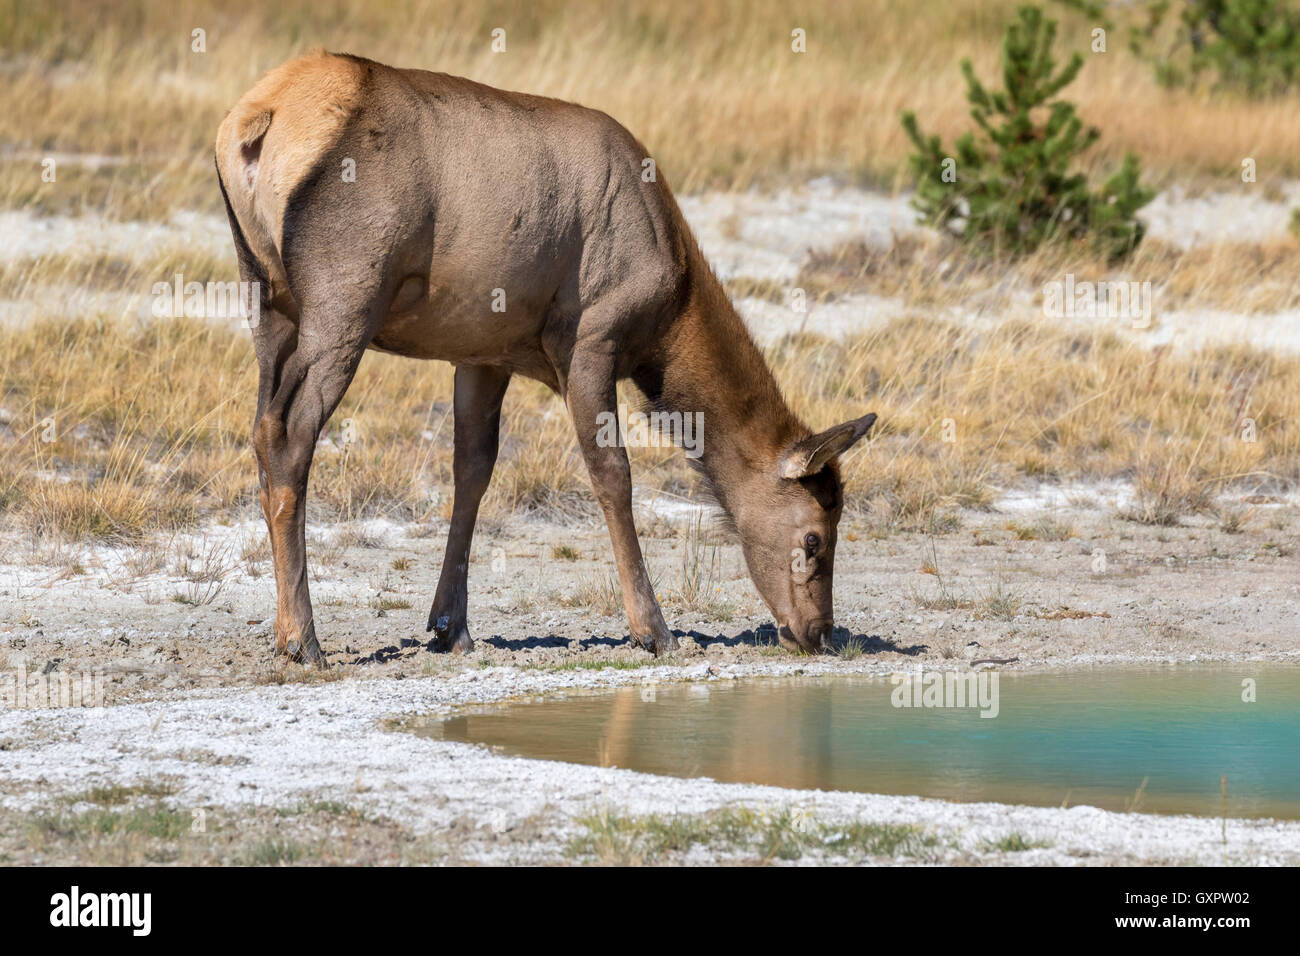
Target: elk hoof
305, 652
659, 643
452, 637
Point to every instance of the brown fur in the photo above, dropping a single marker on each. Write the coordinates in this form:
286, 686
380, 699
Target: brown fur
507, 234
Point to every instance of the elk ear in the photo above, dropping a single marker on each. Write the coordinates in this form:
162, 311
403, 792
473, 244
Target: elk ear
810, 455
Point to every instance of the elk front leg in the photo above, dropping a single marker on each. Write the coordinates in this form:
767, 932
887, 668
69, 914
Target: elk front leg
591, 395
478, 394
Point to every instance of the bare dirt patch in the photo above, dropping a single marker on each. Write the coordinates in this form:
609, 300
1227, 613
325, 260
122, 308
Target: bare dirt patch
1115, 590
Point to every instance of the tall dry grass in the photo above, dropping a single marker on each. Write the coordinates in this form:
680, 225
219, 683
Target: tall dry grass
110, 430
926, 270
151, 423
966, 410
713, 89
151, 418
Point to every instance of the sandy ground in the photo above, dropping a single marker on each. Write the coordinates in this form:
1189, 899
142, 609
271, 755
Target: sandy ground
1184, 593
193, 697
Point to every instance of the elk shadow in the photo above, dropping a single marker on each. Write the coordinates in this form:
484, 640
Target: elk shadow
841, 637
525, 643
763, 636
390, 653
551, 640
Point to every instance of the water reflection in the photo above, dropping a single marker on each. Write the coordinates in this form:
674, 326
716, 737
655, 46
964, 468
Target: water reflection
1150, 740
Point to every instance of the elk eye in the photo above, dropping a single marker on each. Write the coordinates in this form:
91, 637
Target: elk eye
811, 543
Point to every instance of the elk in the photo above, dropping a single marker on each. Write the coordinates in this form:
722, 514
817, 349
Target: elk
507, 234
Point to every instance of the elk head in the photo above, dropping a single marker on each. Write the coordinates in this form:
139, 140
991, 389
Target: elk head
787, 518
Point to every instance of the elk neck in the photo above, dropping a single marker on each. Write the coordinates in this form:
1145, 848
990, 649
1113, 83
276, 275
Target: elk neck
708, 363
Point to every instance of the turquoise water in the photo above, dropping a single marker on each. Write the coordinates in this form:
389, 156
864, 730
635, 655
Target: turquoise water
1151, 740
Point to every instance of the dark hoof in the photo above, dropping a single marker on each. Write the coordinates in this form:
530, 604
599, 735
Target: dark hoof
452, 636
305, 652
659, 644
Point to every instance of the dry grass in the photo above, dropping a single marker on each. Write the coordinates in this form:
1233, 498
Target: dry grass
151, 428
145, 825
600, 593
150, 419
927, 270
698, 587
714, 90
743, 835
1030, 401
150, 431
1043, 529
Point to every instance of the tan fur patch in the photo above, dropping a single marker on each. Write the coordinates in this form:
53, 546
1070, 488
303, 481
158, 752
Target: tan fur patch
283, 502
276, 133
253, 126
